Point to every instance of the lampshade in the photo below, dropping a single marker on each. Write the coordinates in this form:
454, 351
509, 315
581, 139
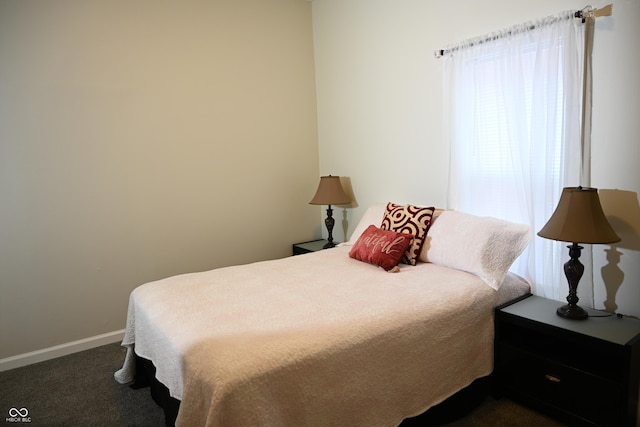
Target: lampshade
578, 218
330, 192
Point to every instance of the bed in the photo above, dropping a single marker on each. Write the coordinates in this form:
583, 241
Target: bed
331, 338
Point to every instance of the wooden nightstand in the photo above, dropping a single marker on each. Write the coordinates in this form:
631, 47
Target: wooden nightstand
306, 247
584, 372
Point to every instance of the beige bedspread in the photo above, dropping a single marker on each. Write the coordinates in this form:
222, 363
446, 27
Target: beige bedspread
319, 339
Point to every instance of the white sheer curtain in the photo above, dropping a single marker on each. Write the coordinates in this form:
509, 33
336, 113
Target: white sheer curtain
513, 106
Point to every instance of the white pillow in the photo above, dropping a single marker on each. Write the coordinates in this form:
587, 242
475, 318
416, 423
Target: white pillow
373, 215
484, 246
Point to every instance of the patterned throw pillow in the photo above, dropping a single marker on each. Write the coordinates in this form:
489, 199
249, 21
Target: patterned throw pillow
412, 220
381, 247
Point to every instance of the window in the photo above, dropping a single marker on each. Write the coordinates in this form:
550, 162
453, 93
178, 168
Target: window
513, 105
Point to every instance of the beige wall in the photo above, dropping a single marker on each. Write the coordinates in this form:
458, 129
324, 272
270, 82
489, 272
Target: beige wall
141, 139
379, 92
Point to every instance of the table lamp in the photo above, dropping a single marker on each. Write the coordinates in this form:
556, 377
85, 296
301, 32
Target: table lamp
578, 218
329, 193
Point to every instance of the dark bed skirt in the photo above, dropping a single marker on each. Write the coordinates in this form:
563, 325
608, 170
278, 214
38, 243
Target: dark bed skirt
455, 407
146, 377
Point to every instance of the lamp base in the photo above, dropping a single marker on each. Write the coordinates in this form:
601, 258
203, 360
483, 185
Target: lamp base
329, 222
573, 312
573, 269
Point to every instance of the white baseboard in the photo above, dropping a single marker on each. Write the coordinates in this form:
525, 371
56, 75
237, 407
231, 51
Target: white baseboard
60, 350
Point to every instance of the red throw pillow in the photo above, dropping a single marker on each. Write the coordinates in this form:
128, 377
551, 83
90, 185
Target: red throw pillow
409, 219
381, 247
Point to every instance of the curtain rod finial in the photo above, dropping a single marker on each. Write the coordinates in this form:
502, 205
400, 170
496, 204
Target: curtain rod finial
604, 11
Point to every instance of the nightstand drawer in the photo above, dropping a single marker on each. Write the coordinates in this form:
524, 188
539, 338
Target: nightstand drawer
594, 398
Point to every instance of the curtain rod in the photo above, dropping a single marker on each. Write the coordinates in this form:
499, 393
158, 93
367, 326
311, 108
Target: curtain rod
587, 12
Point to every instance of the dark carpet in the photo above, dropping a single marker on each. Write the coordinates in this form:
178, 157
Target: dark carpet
79, 390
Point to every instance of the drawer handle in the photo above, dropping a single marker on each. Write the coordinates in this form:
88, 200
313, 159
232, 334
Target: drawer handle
552, 378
